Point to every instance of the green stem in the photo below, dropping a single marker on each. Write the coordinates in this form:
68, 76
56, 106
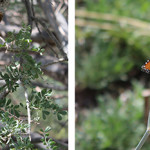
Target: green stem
144, 138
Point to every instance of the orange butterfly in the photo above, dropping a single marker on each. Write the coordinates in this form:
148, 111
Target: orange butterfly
146, 67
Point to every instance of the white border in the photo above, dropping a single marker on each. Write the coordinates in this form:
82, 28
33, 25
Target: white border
71, 88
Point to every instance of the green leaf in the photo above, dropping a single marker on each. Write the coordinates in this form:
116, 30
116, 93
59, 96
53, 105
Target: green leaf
46, 135
16, 106
8, 102
63, 112
59, 117
41, 130
48, 93
55, 147
53, 142
6, 76
17, 113
2, 102
28, 40
46, 112
42, 140
48, 128
44, 91
21, 104
43, 115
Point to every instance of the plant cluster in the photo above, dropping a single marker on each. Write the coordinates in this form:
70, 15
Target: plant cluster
15, 130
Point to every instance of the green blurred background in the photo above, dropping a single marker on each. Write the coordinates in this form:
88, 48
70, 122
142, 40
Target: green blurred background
112, 43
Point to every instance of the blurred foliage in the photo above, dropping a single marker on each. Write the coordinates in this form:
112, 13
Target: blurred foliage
104, 56
138, 9
111, 45
113, 125
102, 60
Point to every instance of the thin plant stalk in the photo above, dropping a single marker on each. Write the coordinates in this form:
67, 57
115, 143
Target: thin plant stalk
145, 136
28, 112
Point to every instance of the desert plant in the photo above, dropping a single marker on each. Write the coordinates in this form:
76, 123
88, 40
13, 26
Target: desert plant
15, 131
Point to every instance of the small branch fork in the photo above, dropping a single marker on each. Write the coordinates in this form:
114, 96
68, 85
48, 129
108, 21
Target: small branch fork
29, 12
55, 62
145, 136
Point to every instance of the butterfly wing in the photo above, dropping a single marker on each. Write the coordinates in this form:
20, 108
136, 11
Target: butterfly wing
146, 67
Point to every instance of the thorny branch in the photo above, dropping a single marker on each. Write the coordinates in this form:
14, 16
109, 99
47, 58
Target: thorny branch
29, 12
31, 18
55, 62
37, 26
